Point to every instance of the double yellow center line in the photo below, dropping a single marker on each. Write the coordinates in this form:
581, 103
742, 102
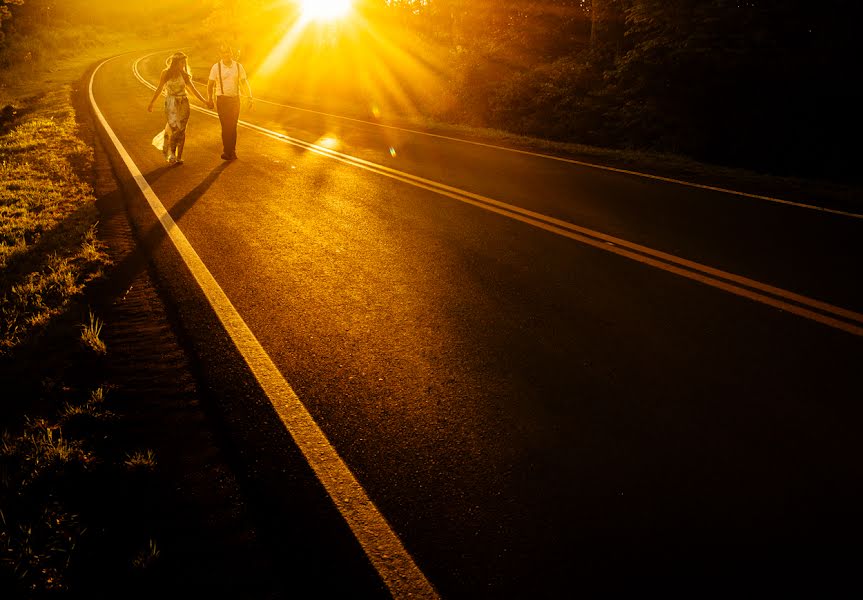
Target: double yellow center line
816, 310
803, 306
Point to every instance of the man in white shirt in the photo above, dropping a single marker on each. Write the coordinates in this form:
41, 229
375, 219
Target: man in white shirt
226, 79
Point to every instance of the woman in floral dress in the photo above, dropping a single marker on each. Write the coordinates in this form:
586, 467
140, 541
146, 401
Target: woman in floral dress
175, 80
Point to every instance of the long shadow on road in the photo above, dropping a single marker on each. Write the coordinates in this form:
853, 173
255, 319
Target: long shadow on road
294, 519
135, 262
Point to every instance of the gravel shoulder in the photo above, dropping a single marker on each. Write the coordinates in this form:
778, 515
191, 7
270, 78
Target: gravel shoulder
208, 542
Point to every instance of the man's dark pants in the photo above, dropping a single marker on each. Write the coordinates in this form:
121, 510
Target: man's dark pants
228, 108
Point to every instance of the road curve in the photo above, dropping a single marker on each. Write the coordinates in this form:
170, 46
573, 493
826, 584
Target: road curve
533, 412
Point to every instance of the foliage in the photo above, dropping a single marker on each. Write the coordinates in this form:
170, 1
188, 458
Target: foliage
554, 101
6, 15
68, 504
757, 83
38, 534
90, 333
734, 81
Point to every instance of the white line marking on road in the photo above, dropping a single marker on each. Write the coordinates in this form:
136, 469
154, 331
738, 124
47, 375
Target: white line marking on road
582, 163
545, 156
798, 304
736, 284
381, 544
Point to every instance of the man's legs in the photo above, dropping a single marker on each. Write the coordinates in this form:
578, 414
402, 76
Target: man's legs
229, 113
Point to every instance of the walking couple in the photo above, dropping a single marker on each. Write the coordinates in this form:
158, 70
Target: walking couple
227, 77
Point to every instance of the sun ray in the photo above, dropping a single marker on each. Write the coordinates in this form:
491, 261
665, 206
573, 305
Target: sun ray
324, 10
353, 64
283, 48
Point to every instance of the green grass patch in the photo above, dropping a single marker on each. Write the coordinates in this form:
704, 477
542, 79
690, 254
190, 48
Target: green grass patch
69, 502
49, 250
141, 461
38, 533
71, 491
90, 333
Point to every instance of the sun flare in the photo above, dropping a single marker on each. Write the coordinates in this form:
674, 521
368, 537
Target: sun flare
324, 10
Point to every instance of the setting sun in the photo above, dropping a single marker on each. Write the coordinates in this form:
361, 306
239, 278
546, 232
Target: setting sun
324, 10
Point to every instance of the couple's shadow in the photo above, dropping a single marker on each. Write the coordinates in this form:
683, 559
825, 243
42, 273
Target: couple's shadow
182, 206
124, 271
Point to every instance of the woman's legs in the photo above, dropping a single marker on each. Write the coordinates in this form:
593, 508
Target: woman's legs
171, 144
180, 133
166, 142
177, 110
181, 141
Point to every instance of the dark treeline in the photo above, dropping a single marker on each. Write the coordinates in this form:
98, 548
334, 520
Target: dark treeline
767, 84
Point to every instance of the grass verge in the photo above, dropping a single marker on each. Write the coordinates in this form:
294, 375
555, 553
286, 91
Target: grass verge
49, 251
71, 493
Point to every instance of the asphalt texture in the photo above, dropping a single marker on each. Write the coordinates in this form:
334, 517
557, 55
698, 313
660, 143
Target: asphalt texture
221, 530
535, 417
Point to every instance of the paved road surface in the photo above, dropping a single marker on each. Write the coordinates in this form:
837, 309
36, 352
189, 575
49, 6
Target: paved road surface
536, 410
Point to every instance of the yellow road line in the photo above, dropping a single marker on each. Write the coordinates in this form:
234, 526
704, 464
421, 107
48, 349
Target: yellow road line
385, 550
816, 310
730, 282
573, 161
798, 304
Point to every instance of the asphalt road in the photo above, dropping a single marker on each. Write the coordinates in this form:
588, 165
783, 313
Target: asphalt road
535, 414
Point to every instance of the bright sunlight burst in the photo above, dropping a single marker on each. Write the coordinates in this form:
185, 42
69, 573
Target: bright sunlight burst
324, 10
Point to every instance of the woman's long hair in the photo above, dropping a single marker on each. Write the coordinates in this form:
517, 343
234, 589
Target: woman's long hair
177, 66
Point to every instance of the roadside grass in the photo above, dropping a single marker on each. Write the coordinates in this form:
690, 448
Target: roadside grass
70, 491
141, 461
49, 250
90, 335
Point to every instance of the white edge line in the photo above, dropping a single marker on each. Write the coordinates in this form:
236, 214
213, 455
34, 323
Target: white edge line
573, 161
580, 163
659, 259
586, 164
544, 221
690, 269
546, 156
380, 543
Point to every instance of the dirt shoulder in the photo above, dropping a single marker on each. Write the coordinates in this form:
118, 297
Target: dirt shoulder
209, 544
115, 479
